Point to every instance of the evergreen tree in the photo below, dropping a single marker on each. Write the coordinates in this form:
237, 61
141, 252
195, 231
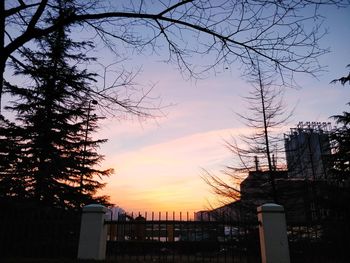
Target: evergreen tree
339, 162
341, 156
337, 195
57, 157
12, 184
343, 80
340, 159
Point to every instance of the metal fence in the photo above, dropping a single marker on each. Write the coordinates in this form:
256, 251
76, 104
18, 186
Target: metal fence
323, 241
28, 231
158, 239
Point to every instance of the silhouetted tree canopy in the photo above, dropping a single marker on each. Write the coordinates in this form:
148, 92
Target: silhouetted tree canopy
341, 156
341, 140
48, 155
343, 80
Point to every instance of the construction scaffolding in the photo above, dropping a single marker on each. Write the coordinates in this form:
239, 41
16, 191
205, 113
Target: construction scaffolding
307, 147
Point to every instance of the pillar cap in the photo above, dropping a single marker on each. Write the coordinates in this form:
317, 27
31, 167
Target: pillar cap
270, 207
94, 208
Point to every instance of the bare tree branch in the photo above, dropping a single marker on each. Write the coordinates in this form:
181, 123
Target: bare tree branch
254, 152
229, 31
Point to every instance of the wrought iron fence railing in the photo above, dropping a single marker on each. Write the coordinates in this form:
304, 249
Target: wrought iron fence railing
323, 241
38, 232
181, 240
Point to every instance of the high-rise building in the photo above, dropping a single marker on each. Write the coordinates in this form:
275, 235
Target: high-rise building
307, 147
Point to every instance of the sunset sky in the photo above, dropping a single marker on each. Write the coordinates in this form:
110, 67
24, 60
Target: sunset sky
158, 163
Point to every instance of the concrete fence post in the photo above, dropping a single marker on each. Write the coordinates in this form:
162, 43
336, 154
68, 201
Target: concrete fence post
273, 234
93, 233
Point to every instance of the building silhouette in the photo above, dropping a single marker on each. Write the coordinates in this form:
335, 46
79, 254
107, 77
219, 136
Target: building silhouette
300, 189
307, 147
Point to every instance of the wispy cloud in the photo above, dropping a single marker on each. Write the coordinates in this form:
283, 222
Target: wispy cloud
168, 174
158, 163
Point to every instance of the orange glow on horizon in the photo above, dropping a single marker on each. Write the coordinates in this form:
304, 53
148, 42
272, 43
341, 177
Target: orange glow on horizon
166, 177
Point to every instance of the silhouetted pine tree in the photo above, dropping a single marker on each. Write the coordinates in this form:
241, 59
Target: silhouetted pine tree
338, 192
52, 119
12, 182
339, 162
341, 157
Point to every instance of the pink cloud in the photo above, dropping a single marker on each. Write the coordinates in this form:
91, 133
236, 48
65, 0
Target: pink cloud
167, 174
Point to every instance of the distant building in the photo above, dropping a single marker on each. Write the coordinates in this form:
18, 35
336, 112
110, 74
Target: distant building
300, 189
307, 147
226, 212
116, 213
295, 194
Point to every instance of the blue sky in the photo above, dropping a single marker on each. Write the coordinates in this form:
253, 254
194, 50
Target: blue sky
158, 162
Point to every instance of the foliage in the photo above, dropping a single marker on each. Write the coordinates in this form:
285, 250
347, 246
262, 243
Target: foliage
343, 80
341, 155
336, 198
340, 159
51, 155
11, 180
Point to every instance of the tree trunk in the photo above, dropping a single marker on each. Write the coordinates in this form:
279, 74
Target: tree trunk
271, 172
2, 48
